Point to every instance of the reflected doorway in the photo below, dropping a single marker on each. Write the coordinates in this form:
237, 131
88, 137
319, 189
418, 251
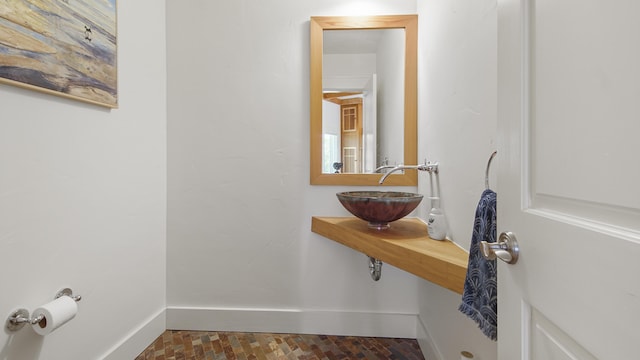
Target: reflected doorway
346, 110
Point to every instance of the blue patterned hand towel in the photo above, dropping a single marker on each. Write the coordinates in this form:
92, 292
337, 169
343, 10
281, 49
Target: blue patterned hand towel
480, 295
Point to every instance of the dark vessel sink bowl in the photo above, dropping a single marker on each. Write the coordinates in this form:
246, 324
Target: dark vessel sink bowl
379, 208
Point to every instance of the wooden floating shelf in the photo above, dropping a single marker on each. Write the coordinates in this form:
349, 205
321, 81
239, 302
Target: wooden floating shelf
406, 245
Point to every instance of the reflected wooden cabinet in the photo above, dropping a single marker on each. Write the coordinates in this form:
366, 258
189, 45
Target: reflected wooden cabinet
351, 138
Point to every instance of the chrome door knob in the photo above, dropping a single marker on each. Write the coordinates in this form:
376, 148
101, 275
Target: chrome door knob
505, 249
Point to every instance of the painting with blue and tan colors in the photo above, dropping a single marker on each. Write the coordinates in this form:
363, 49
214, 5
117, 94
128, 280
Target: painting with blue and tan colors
61, 46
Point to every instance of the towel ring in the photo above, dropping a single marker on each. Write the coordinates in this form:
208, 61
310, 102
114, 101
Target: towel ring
486, 174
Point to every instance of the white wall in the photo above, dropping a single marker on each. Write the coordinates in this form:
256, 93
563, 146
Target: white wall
239, 199
390, 70
457, 125
82, 204
347, 71
330, 118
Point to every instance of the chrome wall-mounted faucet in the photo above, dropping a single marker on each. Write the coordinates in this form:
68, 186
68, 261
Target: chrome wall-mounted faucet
380, 168
427, 166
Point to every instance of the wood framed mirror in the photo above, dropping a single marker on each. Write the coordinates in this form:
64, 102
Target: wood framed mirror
347, 142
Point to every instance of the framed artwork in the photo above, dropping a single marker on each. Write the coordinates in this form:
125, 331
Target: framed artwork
63, 47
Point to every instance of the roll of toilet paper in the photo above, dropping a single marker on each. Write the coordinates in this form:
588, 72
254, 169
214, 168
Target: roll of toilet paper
56, 313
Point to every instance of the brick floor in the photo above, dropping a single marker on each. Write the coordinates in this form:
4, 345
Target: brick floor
211, 345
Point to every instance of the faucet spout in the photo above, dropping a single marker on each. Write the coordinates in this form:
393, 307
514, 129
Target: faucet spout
379, 168
394, 169
427, 166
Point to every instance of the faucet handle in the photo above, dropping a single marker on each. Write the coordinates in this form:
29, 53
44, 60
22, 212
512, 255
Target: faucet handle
429, 167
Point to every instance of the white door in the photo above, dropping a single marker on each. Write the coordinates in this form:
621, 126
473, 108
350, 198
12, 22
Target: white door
569, 178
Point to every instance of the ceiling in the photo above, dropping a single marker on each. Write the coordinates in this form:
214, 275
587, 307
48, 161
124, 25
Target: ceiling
351, 41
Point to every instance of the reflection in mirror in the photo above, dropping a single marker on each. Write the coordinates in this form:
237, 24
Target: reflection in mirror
363, 98
363, 92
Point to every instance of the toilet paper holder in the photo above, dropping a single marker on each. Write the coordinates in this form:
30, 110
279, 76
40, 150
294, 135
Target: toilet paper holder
19, 318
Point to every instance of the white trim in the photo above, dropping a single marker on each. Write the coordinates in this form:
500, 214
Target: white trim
525, 120
427, 345
139, 339
525, 331
618, 223
344, 323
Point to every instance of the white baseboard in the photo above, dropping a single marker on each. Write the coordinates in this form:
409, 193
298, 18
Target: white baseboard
275, 321
427, 346
139, 339
293, 321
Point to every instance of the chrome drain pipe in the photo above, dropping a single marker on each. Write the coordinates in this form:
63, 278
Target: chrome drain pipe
375, 268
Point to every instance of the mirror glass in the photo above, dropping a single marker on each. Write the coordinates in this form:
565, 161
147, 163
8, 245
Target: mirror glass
362, 105
363, 98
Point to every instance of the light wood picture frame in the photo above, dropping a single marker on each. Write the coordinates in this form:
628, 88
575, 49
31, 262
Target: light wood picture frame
63, 47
